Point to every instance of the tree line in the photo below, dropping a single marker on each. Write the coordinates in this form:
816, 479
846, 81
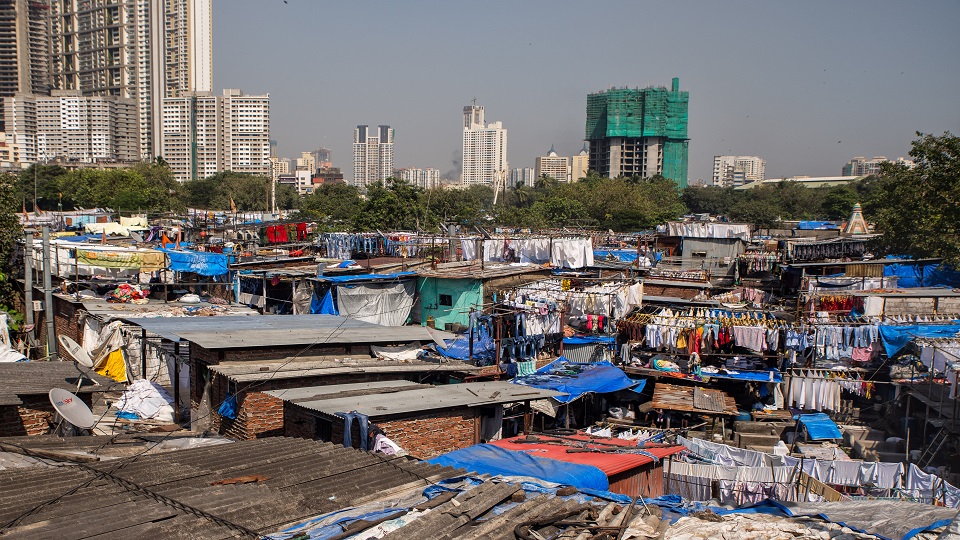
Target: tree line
917, 209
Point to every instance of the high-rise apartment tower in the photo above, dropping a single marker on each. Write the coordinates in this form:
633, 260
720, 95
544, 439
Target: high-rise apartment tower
639, 132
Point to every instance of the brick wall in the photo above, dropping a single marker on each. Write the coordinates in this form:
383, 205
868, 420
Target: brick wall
423, 436
261, 415
32, 417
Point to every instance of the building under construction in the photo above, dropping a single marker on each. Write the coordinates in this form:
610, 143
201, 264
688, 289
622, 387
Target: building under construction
639, 132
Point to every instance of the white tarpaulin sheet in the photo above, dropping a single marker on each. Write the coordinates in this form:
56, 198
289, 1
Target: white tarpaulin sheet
386, 304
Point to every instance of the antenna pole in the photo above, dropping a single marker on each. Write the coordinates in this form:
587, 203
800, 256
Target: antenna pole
48, 296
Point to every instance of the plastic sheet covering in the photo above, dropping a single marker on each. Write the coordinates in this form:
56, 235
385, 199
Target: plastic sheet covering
489, 459
578, 379
399, 354
820, 427
896, 337
204, 264
459, 348
892, 520
386, 304
928, 275
816, 225
302, 297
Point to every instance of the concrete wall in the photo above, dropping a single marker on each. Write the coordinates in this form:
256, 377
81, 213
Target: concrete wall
464, 293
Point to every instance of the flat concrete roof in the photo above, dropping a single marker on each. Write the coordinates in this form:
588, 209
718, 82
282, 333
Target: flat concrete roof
330, 400
278, 331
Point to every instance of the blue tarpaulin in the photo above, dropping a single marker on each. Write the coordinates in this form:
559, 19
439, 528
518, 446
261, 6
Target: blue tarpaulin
896, 337
922, 275
815, 225
367, 277
459, 348
576, 379
586, 340
324, 306
490, 459
820, 427
205, 264
749, 375
622, 255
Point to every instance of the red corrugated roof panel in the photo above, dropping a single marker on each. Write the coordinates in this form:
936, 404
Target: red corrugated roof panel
608, 462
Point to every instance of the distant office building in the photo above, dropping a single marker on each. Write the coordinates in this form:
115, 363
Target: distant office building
424, 178
72, 127
372, 155
278, 166
554, 166
580, 164
484, 148
205, 134
639, 132
273, 148
147, 50
307, 162
733, 171
861, 166
523, 176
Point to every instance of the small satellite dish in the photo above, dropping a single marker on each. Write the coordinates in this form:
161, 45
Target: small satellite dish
76, 353
137, 237
72, 409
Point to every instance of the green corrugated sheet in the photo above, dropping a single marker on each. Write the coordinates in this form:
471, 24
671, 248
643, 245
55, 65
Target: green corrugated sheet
646, 112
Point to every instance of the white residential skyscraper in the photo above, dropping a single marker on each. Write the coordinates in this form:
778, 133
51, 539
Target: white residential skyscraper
141, 49
205, 134
738, 170
372, 155
424, 178
484, 148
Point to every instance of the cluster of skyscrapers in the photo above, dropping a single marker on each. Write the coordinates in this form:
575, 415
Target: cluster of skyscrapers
108, 80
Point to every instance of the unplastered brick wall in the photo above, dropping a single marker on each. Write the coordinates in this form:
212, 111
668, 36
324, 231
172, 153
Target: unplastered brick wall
423, 436
32, 417
261, 415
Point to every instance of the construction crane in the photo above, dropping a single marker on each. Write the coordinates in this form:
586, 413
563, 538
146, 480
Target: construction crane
499, 182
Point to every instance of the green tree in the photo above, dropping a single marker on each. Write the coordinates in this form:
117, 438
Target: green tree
713, 200
839, 202
335, 204
10, 233
248, 192
918, 209
394, 205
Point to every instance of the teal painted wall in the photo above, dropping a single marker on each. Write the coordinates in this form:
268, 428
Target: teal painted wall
464, 293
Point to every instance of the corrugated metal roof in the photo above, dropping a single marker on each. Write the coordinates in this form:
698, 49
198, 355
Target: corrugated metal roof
37, 378
278, 331
474, 270
304, 366
298, 394
303, 479
603, 456
421, 399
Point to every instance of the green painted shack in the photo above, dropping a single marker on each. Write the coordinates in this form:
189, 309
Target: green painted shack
447, 293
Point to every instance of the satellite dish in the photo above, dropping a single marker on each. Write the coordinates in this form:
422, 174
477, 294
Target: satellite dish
75, 351
72, 409
137, 237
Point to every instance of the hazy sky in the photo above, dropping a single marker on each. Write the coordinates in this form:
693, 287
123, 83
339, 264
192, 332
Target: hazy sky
806, 85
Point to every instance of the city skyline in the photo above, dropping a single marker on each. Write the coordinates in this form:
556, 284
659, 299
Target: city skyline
821, 90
